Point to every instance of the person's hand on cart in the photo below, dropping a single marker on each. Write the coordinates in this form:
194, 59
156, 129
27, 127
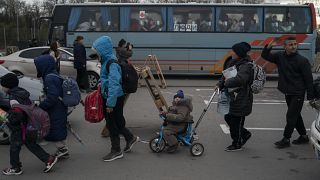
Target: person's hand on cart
163, 116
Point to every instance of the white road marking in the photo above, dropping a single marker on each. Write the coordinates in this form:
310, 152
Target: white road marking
204, 89
256, 103
226, 129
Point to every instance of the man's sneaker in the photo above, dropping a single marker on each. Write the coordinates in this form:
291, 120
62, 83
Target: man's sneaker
233, 148
113, 155
63, 151
283, 143
130, 144
246, 138
12, 171
51, 162
301, 140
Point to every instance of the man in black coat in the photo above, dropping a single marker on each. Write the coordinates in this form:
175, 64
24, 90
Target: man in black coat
295, 78
80, 63
240, 93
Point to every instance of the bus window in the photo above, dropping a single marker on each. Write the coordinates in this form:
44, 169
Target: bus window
300, 19
94, 19
190, 19
143, 18
287, 20
239, 19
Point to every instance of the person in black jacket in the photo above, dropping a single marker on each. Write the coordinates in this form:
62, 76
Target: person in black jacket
80, 63
240, 93
295, 78
17, 121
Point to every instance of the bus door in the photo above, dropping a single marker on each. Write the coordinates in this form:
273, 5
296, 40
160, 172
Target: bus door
58, 34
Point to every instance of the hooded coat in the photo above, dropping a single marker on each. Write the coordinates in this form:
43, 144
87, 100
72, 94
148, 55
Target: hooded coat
179, 112
111, 81
16, 115
57, 111
241, 99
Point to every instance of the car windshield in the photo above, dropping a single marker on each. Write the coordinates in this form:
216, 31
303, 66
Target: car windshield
70, 50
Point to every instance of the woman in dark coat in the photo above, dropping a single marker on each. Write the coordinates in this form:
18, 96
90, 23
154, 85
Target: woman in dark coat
241, 97
46, 69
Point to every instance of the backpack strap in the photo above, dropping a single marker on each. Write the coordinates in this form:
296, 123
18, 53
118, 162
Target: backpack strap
109, 63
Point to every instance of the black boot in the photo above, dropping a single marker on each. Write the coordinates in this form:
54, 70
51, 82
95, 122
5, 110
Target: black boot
301, 140
283, 143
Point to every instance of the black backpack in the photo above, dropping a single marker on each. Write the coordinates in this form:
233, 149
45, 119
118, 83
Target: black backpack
129, 76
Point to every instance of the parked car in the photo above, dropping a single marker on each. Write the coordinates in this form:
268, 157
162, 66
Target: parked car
34, 86
315, 136
21, 63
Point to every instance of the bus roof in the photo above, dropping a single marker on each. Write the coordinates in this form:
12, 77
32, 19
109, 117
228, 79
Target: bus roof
180, 4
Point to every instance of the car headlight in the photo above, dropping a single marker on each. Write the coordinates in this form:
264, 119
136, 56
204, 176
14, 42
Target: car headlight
318, 122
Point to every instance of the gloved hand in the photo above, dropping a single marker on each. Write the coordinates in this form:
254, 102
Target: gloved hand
165, 123
220, 84
163, 115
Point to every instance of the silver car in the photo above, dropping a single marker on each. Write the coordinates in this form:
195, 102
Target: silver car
33, 86
22, 63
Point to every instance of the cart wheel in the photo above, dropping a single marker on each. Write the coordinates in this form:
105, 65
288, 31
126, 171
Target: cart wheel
196, 149
157, 145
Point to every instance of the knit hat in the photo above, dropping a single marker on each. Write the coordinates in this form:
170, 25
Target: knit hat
10, 80
121, 42
241, 49
179, 94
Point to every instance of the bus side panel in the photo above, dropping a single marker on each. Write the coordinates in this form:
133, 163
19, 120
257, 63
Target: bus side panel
173, 61
202, 60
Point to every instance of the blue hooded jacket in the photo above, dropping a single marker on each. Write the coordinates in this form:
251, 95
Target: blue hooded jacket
111, 80
57, 111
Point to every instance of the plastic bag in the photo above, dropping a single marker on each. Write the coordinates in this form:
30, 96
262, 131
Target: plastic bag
223, 103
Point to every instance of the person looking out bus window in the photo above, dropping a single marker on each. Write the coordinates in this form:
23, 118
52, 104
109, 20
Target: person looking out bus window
295, 78
151, 25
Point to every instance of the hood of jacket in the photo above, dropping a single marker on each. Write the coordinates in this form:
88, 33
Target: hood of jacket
19, 94
104, 47
187, 101
45, 64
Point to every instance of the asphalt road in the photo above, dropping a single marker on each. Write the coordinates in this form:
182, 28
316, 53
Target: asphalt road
260, 160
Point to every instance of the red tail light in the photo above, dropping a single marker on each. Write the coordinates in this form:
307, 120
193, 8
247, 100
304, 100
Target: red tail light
2, 61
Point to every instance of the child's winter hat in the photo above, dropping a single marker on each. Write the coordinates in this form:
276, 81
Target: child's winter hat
10, 80
179, 94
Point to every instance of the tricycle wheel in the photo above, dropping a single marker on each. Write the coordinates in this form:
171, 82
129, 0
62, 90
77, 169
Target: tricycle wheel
157, 145
196, 149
